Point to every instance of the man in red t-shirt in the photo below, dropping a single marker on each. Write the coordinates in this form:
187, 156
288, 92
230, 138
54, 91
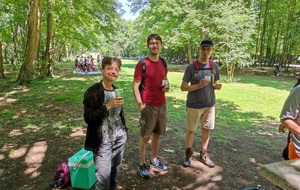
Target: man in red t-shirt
152, 103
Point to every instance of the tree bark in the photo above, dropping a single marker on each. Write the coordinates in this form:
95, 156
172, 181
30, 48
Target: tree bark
189, 52
263, 33
16, 56
48, 65
1, 63
27, 72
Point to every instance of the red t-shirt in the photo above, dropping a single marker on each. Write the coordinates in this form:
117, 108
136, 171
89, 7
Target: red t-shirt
155, 73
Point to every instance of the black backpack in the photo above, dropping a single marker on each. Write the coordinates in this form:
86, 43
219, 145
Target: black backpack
142, 59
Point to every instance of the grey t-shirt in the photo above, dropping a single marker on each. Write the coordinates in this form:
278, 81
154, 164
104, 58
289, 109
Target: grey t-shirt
204, 97
290, 110
112, 126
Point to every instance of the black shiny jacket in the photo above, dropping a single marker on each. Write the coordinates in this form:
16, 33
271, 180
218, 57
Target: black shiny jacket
94, 112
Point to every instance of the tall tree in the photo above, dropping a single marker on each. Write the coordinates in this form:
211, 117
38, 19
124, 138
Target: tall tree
27, 73
178, 21
47, 63
1, 63
234, 27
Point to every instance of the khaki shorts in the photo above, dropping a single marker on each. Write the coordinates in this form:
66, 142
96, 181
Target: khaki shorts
153, 120
205, 115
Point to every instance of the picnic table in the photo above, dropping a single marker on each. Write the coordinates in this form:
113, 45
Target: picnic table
263, 70
285, 174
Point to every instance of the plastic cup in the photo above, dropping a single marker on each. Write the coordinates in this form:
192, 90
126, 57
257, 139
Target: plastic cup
119, 92
165, 83
208, 77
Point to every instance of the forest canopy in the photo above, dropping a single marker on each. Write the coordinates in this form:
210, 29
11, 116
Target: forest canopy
36, 34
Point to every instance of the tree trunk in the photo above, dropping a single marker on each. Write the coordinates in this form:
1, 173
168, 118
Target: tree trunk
287, 33
16, 56
274, 54
1, 63
6, 52
189, 52
47, 67
263, 33
27, 73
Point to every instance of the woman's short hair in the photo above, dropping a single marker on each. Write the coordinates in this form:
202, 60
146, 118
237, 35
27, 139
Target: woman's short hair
108, 60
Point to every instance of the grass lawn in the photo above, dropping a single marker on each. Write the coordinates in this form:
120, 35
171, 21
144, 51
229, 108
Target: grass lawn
250, 105
49, 113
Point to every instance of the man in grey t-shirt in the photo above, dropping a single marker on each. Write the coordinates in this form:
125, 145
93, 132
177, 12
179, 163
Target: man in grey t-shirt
290, 119
200, 80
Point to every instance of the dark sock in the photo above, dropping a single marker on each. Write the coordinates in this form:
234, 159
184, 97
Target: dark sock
188, 151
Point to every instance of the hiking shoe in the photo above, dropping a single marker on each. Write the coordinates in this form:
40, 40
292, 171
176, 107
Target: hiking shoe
186, 163
204, 158
188, 156
144, 172
159, 165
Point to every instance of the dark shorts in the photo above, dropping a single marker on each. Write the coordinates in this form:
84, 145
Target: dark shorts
153, 120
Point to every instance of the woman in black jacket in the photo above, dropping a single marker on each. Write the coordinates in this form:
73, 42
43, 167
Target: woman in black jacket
106, 128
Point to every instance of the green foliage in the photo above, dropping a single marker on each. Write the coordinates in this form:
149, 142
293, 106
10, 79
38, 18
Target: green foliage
239, 29
230, 19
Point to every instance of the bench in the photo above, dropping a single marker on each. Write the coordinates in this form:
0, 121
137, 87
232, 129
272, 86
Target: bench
261, 72
285, 174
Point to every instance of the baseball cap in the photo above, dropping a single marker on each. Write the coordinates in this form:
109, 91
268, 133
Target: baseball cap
206, 43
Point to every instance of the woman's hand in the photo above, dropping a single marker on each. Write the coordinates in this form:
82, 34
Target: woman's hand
115, 102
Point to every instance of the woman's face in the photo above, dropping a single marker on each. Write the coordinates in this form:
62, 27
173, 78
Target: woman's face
111, 72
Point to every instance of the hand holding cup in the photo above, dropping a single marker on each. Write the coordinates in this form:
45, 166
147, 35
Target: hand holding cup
208, 77
165, 85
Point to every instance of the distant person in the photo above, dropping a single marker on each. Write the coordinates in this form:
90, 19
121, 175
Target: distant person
151, 103
200, 80
106, 128
98, 62
76, 61
277, 70
85, 66
290, 120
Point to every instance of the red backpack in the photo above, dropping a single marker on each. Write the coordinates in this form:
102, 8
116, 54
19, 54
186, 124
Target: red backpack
211, 66
62, 176
195, 63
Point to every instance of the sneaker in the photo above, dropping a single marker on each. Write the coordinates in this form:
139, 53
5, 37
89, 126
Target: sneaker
159, 165
204, 158
144, 172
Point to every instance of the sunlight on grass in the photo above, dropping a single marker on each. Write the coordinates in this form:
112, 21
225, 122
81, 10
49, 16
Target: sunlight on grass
251, 105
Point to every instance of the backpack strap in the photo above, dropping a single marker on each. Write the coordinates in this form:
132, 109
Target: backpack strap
164, 62
141, 87
196, 65
211, 66
142, 59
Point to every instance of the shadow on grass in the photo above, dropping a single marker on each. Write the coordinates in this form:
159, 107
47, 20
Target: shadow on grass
41, 125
